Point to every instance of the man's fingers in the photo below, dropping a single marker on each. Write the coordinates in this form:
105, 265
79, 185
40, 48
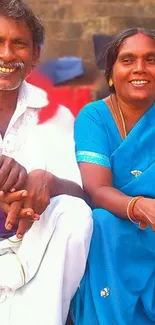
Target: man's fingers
28, 213
11, 197
5, 207
4, 171
11, 179
21, 180
13, 214
23, 226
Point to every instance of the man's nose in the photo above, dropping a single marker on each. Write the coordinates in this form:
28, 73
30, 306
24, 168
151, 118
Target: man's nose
7, 53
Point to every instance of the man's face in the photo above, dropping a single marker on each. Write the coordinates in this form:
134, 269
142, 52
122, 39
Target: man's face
18, 55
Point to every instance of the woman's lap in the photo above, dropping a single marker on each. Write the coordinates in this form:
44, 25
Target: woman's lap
120, 270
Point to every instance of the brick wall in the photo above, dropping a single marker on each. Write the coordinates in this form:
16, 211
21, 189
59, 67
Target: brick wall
70, 24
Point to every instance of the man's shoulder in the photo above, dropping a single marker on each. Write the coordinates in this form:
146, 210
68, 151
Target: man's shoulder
35, 96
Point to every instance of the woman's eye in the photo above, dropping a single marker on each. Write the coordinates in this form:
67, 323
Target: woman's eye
152, 60
127, 60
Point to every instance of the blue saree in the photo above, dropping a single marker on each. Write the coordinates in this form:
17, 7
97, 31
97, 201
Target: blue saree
118, 287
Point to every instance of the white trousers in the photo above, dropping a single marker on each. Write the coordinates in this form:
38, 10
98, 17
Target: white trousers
50, 261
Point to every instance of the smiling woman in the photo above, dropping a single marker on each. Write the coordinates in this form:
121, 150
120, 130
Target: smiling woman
116, 155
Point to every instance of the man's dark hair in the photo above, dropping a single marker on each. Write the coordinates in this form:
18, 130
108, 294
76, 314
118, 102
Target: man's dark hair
19, 11
112, 51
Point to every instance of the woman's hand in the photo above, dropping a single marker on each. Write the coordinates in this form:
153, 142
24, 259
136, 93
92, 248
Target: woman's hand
144, 210
12, 174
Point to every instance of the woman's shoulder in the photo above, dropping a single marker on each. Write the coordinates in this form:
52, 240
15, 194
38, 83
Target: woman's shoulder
94, 108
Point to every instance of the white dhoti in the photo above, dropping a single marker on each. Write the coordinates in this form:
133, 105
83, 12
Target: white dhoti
50, 261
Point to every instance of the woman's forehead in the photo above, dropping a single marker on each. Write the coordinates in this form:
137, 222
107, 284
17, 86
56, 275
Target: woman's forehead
136, 43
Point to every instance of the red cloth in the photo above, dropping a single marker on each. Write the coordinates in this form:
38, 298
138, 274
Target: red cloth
73, 98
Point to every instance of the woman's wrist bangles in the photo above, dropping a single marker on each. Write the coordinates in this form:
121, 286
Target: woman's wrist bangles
130, 208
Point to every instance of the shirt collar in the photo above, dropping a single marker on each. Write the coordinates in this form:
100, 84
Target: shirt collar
32, 96
29, 97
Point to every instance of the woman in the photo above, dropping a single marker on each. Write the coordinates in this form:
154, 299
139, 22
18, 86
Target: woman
115, 150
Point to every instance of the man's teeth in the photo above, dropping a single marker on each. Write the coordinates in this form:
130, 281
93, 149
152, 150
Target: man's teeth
6, 70
139, 82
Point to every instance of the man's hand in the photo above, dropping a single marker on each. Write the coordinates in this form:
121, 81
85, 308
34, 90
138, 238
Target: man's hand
7, 198
12, 205
12, 174
38, 186
21, 217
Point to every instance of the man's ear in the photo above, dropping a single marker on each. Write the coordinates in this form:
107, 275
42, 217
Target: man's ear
36, 55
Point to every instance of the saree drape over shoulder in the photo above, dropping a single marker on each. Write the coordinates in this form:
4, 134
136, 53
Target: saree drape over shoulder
118, 287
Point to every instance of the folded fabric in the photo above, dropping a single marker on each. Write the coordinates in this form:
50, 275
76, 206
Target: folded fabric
62, 69
101, 42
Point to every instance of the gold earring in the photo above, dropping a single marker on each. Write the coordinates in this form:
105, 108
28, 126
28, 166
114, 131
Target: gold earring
110, 82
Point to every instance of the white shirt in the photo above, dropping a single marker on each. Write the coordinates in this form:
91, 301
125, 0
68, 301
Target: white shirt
49, 146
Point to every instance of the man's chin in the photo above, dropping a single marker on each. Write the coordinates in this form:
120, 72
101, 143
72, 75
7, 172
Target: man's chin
10, 87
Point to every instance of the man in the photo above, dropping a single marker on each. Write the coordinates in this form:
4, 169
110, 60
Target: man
41, 270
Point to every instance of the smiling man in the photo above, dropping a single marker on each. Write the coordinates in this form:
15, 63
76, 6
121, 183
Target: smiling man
45, 233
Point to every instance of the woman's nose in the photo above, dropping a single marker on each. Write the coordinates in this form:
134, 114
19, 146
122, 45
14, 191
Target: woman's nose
139, 67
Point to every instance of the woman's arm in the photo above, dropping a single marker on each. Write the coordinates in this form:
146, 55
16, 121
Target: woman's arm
98, 184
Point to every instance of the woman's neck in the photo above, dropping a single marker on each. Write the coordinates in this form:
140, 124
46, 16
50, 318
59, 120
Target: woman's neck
132, 112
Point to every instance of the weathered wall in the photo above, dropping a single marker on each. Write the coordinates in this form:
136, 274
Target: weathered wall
70, 24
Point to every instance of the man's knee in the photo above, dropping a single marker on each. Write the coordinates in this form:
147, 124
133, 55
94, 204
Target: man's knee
75, 216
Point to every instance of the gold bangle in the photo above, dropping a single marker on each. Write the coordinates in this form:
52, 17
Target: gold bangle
130, 207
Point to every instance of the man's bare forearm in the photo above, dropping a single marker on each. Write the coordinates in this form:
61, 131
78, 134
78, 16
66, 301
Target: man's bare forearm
62, 186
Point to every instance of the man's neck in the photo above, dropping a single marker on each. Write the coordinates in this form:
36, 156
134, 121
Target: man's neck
8, 100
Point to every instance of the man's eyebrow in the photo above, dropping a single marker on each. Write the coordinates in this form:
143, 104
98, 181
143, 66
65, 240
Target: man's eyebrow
16, 38
20, 38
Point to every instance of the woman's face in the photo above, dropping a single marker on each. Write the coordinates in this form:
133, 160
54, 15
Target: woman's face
134, 70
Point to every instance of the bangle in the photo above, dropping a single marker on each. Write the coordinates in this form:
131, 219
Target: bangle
130, 207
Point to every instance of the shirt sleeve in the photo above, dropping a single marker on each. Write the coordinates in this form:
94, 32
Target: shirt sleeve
91, 137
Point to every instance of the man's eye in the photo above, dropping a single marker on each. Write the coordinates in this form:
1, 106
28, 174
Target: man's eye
22, 43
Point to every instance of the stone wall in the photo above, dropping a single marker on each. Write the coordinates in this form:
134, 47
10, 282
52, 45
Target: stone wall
70, 24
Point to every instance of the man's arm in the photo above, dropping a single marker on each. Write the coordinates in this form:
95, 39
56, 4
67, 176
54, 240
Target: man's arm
60, 186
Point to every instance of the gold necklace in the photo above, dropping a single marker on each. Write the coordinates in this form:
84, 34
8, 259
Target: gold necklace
121, 116
122, 119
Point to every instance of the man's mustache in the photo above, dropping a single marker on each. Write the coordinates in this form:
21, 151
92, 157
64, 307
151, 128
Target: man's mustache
12, 65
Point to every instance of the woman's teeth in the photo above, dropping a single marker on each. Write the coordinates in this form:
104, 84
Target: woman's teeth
139, 82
